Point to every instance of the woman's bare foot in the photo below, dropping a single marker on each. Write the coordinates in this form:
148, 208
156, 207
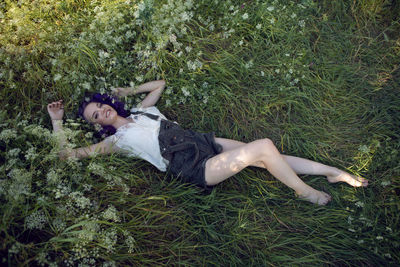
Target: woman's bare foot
316, 197
342, 176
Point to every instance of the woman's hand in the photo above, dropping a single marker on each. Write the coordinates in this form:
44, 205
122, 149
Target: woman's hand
56, 110
121, 92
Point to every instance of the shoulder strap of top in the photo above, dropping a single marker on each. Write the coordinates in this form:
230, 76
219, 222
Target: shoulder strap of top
149, 115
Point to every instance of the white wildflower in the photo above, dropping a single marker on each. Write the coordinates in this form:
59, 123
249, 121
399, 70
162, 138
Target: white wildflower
185, 16
15, 248
188, 49
363, 149
262, 74
172, 38
57, 77
293, 15
270, 8
58, 224
130, 241
139, 78
52, 177
379, 237
81, 201
245, 16
249, 64
36, 220
30, 154
349, 219
97, 127
86, 85
96, 168
8, 134
258, 26
359, 204
277, 71
302, 23
240, 42
185, 91
111, 214
272, 20
110, 239
13, 153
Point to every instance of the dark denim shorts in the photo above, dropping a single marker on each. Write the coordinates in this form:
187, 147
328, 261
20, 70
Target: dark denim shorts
187, 152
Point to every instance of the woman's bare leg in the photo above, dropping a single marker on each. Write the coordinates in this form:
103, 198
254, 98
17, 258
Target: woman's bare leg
304, 166
228, 163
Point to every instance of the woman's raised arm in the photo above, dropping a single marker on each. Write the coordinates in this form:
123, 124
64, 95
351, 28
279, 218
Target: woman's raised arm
154, 88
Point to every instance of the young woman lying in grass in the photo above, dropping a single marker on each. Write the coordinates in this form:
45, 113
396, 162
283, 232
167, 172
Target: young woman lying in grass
198, 158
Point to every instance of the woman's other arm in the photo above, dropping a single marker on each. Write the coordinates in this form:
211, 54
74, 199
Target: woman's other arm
102, 147
154, 88
56, 112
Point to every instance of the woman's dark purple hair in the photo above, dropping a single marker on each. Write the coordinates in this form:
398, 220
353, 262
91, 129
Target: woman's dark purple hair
119, 107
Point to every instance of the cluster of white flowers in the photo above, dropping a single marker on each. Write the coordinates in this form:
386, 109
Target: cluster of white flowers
194, 65
52, 177
61, 191
96, 169
79, 200
109, 239
111, 214
7, 135
131, 243
19, 185
36, 220
31, 154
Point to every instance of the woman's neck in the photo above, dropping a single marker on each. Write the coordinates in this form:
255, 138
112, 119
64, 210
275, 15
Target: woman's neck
121, 121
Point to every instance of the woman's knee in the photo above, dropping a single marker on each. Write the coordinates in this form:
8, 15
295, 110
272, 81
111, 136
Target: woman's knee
266, 146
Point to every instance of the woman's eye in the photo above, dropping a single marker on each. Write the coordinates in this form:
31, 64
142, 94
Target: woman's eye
95, 117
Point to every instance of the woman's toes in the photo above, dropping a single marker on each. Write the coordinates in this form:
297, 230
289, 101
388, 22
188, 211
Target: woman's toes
316, 197
352, 180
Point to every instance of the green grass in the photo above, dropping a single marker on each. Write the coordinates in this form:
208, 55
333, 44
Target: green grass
322, 84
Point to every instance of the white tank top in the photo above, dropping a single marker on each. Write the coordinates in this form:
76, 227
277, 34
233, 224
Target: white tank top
140, 138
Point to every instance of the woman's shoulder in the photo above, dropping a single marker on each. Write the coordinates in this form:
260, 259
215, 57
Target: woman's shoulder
145, 109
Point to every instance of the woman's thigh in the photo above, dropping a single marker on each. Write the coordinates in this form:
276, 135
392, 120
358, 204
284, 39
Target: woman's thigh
235, 156
230, 144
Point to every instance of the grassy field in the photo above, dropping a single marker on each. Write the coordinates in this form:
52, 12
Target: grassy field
320, 78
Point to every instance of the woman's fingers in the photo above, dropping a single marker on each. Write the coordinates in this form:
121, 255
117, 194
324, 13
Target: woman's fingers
57, 104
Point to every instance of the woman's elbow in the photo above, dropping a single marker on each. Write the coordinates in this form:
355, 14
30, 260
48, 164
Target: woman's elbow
66, 154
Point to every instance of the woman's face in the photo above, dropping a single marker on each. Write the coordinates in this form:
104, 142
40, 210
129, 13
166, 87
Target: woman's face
102, 114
